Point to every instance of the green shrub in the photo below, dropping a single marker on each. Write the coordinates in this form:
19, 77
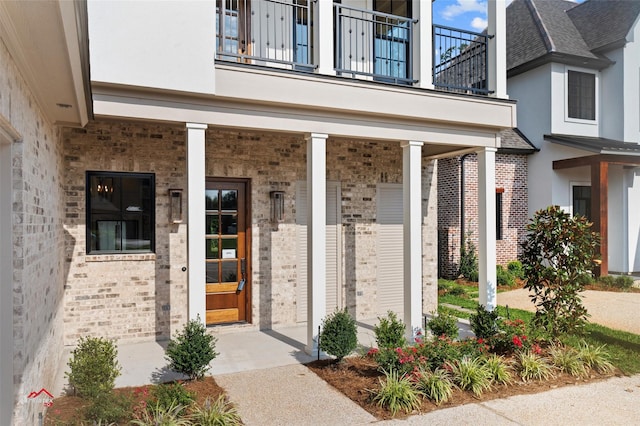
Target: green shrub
595, 357
458, 290
438, 351
623, 281
436, 386
471, 374
568, 360
219, 412
173, 415
339, 335
498, 369
484, 323
533, 367
108, 408
166, 395
94, 367
390, 332
516, 269
607, 281
504, 277
468, 260
559, 252
397, 393
444, 324
192, 350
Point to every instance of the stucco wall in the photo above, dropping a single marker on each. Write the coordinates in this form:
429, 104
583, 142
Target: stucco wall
37, 240
142, 297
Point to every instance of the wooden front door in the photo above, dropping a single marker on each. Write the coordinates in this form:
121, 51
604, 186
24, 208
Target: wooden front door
227, 251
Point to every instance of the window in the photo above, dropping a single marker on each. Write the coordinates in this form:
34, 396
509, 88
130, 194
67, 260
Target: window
499, 192
120, 212
581, 95
582, 201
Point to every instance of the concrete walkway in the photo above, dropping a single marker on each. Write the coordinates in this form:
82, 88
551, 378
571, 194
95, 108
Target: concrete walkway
620, 311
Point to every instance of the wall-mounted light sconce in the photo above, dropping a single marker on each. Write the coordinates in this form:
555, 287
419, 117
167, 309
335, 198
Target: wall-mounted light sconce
175, 205
277, 206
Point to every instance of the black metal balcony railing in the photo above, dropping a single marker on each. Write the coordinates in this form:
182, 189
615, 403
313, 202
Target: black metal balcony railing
460, 60
373, 44
267, 32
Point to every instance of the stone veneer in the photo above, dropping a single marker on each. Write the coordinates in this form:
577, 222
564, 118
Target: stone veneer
141, 297
511, 175
38, 243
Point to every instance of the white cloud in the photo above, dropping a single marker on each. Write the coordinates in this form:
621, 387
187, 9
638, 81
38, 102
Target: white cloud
463, 6
478, 24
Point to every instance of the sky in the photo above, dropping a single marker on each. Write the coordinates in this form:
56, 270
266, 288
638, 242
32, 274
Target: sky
468, 15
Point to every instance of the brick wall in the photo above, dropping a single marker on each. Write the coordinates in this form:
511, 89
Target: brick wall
38, 242
134, 297
511, 175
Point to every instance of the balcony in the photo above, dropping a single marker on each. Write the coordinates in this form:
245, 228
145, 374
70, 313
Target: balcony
375, 45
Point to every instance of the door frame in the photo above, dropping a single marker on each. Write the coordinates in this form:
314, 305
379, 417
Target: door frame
248, 227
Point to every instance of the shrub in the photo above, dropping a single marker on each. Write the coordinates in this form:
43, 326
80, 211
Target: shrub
390, 332
458, 290
166, 395
174, 415
498, 369
444, 324
595, 357
94, 367
533, 367
484, 323
436, 385
471, 374
397, 393
624, 282
568, 360
468, 260
504, 277
559, 252
511, 337
339, 336
219, 412
438, 351
607, 281
109, 408
516, 269
192, 350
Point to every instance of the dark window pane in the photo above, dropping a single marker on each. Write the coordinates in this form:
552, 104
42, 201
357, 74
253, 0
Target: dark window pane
213, 226
229, 200
229, 224
582, 201
212, 272
582, 95
229, 271
212, 249
211, 199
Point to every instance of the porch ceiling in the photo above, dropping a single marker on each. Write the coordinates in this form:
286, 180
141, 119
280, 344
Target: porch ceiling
48, 42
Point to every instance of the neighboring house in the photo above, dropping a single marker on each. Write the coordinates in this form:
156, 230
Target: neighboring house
575, 71
458, 216
216, 165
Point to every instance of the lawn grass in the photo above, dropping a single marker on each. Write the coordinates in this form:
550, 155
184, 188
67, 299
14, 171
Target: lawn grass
623, 347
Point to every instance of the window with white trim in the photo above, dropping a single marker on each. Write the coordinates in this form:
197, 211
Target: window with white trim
120, 212
581, 95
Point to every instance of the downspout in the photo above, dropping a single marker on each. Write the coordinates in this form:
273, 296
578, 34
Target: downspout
462, 216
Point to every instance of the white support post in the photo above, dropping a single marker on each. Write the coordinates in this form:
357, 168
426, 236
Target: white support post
423, 44
196, 219
323, 36
412, 234
487, 227
497, 53
316, 236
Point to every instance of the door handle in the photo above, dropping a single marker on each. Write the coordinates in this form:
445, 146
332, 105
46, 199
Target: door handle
242, 282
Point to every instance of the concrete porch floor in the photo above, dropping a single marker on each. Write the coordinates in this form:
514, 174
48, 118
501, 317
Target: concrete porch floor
240, 349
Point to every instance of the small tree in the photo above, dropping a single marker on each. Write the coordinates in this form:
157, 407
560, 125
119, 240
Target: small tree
559, 257
339, 336
468, 259
192, 350
390, 332
93, 367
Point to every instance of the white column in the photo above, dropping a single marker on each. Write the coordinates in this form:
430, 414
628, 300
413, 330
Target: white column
316, 236
323, 36
497, 54
422, 44
412, 234
487, 227
196, 219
